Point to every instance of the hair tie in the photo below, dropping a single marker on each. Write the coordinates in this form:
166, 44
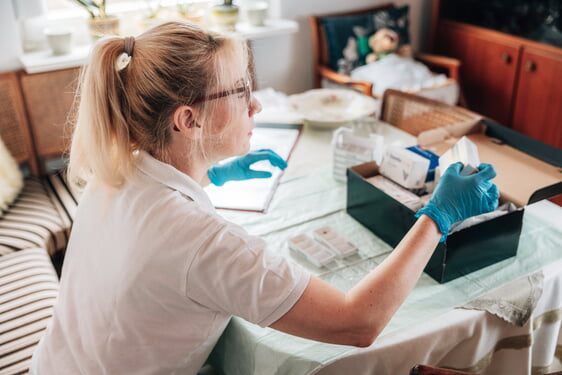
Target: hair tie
129, 45
124, 58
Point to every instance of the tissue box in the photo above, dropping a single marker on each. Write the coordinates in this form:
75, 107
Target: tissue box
405, 167
528, 171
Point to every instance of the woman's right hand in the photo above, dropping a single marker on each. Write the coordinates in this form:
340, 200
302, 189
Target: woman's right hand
459, 197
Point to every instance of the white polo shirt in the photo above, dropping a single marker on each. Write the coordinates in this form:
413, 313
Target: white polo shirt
151, 277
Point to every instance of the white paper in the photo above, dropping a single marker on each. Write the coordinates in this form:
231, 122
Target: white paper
255, 194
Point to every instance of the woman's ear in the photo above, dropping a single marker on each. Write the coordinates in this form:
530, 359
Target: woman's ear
184, 119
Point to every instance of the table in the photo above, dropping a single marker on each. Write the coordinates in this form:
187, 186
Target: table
427, 328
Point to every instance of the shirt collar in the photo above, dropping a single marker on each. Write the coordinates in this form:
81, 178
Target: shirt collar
173, 178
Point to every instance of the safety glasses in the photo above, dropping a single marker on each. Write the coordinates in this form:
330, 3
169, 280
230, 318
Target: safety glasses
244, 89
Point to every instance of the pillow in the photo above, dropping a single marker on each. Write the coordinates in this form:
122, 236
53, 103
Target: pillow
11, 178
397, 72
347, 36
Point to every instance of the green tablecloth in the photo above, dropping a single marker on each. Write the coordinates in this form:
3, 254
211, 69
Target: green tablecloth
302, 204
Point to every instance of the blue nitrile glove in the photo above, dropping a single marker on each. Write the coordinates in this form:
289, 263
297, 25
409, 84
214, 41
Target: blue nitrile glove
239, 168
459, 197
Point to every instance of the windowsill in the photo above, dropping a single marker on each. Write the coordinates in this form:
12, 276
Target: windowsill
45, 61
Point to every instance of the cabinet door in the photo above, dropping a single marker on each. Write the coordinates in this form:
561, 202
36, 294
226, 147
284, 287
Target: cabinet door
538, 104
488, 67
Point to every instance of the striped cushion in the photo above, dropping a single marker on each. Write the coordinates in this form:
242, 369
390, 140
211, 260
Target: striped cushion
28, 289
35, 219
66, 194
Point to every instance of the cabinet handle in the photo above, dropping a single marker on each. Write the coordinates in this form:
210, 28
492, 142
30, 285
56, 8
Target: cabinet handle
530, 66
506, 58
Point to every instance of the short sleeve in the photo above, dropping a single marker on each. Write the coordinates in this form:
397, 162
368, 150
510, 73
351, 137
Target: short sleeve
234, 273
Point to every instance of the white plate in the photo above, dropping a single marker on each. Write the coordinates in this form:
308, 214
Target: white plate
331, 108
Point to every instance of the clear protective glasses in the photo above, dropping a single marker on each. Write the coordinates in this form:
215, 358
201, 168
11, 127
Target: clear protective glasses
244, 89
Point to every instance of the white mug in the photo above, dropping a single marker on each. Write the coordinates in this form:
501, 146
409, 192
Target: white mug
59, 39
256, 12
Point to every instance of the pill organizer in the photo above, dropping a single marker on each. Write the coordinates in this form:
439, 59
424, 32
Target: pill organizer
334, 241
350, 149
313, 251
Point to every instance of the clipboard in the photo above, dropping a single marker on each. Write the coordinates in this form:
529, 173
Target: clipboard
255, 195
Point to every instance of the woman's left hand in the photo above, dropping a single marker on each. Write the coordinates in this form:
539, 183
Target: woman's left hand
239, 168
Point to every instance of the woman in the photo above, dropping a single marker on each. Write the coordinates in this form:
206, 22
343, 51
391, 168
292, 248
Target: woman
152, 273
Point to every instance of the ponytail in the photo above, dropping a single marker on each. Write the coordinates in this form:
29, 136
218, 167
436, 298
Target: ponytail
101, 143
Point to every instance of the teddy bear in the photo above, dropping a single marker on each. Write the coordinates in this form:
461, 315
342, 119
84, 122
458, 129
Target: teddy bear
383, 43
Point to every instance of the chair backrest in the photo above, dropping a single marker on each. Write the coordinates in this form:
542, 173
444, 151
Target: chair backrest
331, 32
48, 99
14, 128
415, 114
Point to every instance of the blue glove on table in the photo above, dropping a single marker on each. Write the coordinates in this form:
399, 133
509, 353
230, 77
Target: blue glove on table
239, 168
459, 197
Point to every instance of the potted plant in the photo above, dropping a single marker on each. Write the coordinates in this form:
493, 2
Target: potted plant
224, 16
190, 11
100, 23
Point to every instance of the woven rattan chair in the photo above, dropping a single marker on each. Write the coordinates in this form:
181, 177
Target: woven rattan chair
17, 138
415, 114
48, 98
36, 218
323, 57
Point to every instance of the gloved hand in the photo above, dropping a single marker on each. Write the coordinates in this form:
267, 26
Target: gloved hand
239, 168
459, 197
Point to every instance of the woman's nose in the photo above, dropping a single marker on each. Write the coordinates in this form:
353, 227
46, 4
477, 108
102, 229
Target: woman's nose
255, 106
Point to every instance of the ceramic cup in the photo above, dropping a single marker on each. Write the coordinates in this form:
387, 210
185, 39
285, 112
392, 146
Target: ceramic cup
59, 39
256, 12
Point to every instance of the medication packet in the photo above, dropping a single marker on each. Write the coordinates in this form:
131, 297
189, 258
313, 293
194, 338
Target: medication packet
335, 241
311, 250
404, 167
397, 192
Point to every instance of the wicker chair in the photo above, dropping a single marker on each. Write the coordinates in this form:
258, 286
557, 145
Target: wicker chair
37, 217
415, 114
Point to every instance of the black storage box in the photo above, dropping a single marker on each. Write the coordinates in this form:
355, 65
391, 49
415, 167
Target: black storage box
528, 171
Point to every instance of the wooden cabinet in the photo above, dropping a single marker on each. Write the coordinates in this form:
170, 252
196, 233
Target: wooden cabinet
512, 80
537, 109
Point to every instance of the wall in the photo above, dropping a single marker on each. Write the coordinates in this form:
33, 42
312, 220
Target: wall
282, 62
10, 44
285, 62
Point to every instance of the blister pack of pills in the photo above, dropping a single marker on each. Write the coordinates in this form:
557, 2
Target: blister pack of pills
333, 240
313, 251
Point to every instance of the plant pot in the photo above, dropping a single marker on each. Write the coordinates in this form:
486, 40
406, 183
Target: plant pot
224, 17
103, 26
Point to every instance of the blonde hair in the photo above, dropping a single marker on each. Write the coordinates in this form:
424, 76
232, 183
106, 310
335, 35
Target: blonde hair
123, 111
